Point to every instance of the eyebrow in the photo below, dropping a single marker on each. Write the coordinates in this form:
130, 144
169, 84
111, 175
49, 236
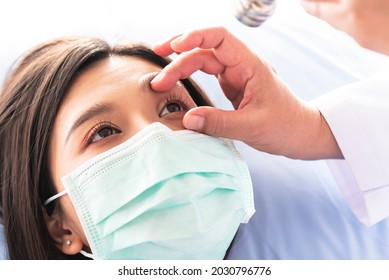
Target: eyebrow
92, 112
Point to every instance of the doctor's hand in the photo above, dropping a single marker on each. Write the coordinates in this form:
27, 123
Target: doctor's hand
267, 115
365, 20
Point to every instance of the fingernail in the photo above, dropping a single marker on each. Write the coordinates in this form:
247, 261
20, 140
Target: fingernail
156, 79
154, 83
194, 122
176, 41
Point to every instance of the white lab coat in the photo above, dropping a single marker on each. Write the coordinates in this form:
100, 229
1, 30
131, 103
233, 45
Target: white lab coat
358, 115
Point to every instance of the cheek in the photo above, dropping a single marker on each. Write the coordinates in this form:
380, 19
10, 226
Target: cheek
173, 124
54, 166
71, 221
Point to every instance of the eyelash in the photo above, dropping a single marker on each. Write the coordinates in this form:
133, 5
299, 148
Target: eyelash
98, 127
177, 98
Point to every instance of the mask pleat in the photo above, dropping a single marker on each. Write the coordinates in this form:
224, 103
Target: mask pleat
167, 194
167, 226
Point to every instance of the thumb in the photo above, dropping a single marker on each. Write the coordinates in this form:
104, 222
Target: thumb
216, 122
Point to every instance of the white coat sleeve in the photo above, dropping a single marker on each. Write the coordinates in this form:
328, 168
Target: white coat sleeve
358, 115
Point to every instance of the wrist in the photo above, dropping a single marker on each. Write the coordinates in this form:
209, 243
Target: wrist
319, 141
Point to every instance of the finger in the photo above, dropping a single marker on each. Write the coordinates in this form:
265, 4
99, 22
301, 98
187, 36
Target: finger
333, 13
202, 38
216, 122
164, 48
228, 49
208, 38
184, 66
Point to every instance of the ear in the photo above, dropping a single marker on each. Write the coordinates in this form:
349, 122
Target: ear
65, 240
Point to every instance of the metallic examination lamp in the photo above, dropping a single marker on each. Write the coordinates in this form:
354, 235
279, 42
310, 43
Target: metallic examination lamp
254, 12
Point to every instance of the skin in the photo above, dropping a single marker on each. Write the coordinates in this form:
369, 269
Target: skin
123, 83
365, 20
267, 115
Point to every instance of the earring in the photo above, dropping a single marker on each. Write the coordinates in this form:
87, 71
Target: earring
68, 242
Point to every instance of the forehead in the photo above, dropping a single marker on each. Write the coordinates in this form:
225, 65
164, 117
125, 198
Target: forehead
113, 69
107, 75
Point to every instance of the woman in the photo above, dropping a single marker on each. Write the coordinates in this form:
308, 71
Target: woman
76, 105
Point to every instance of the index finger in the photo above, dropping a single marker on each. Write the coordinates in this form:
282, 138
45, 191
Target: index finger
164, 48
227, 48
185, 65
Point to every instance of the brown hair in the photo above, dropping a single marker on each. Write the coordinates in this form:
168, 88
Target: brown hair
29, 101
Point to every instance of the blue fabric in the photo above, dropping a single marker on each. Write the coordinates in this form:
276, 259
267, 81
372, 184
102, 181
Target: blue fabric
3, 246
301, 214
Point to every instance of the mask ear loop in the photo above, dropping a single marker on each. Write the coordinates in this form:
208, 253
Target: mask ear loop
88, 255
54, 197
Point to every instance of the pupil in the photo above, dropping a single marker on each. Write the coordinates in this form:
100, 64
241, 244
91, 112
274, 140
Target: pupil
173, 107
105, 132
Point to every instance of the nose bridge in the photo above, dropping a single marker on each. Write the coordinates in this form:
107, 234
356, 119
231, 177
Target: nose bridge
141, 120
139, 110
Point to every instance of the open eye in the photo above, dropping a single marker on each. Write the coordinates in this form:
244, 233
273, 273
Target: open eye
174, 104
101, 131
171, 107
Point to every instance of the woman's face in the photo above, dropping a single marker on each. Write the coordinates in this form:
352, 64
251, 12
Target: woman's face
107, 104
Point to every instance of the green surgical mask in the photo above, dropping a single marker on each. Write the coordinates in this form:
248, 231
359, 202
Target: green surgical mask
162, 194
